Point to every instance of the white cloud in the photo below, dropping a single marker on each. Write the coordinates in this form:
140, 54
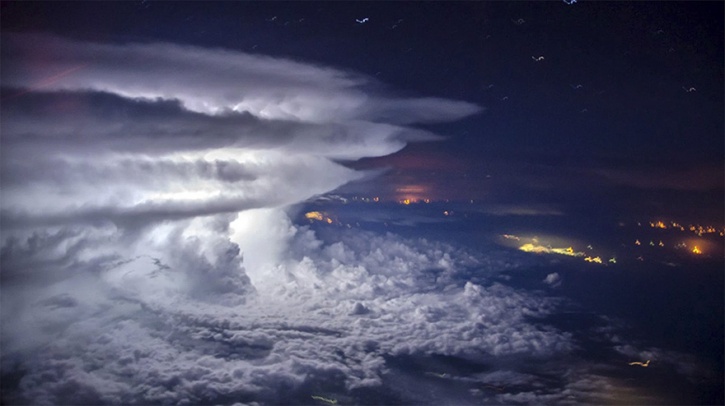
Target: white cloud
553, 280
212, 81
154, 337
138, 133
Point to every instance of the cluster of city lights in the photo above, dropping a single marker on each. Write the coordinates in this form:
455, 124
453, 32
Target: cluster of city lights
694, 228
664, 236
698, 246
402, 199
694, 246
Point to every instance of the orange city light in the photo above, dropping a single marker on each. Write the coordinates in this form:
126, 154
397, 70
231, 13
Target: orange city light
314, 215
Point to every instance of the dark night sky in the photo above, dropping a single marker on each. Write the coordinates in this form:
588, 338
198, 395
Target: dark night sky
630, 129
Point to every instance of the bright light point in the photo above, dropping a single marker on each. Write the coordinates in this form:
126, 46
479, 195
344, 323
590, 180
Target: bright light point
536, 249
319, 216
696, 251
540, 249
567, 251
594, 259
326, 400
314, 215
412, 193
642, 364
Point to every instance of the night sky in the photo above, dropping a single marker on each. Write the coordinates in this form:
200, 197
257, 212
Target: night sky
330, 202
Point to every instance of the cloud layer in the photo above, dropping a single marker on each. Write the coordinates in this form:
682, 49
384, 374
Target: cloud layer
148, 331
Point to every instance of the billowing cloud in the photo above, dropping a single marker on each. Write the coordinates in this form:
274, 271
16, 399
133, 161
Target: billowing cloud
147, 255
140, 180
186, 328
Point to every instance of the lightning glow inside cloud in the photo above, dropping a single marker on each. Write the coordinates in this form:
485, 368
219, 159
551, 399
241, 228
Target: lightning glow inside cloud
147, 255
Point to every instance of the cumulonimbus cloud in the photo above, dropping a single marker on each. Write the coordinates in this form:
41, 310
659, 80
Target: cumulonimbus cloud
150, 172
147, 256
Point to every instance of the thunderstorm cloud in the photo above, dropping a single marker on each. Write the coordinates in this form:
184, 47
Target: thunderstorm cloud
148, 255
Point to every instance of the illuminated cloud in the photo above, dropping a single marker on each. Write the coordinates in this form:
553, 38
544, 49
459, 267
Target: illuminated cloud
137, 133
553, 280
147, 256
213, 81
327, 310
541, 249
120, 139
